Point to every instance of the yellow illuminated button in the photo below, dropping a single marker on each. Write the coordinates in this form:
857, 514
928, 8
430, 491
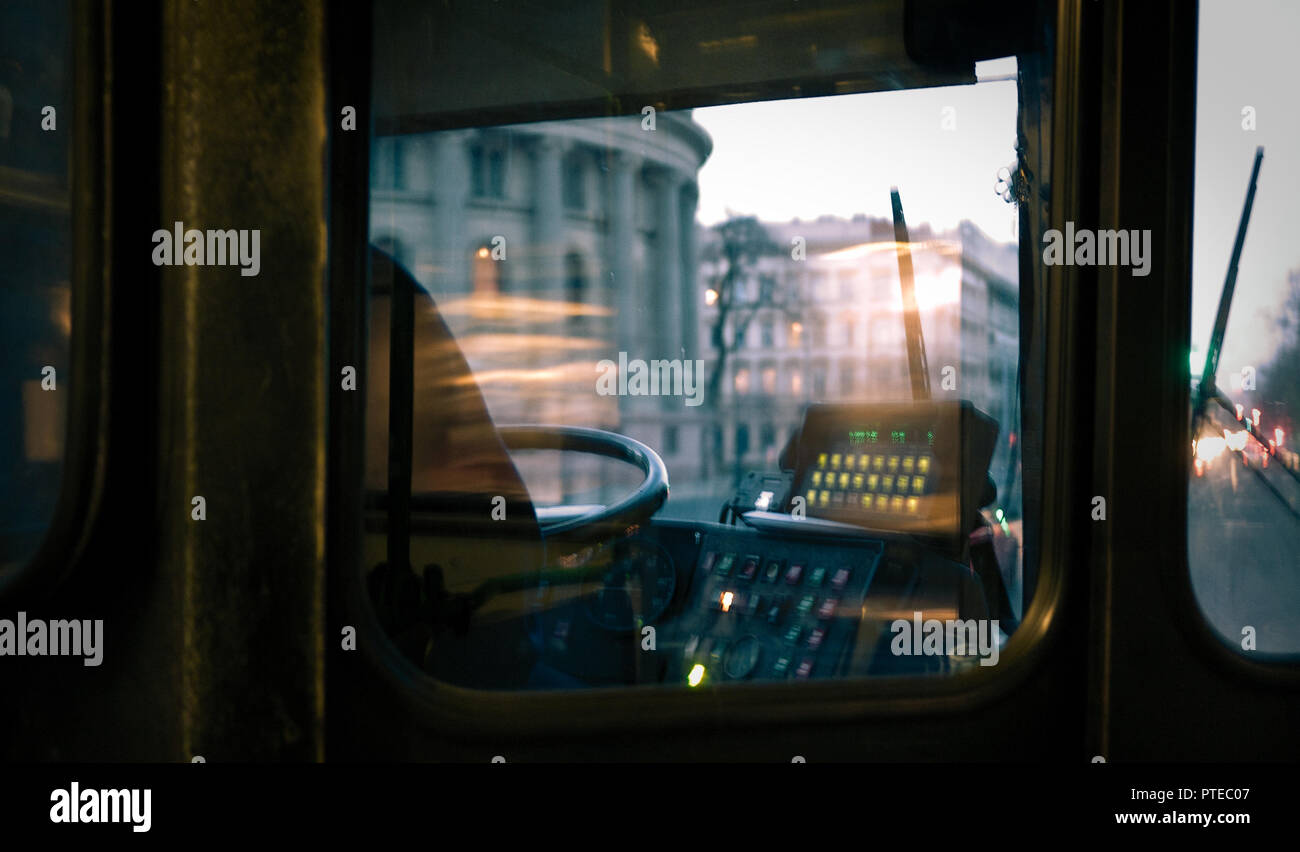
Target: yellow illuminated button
821, 460
696, 677
863, 461
923, 464
844, 480
896, 503
907, 463
857, 481
893, 463
835, 460
817, 477
912, 504
903, 481
877, 463
918, 484
872, 481
882, 502
886, 483
848, 461
866, 501
823, 498
811, 496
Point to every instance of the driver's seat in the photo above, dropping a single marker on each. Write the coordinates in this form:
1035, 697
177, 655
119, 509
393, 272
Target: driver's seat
459, 465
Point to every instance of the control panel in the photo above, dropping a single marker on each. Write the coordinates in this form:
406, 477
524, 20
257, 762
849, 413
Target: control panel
762, 608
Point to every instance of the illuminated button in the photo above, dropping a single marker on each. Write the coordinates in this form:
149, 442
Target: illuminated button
923, 464
781, 666
878, 463
835, 461
827, 609
816, 577
817, 477
873, 481
886, 483
840, 580
805, 668
882, 503
908, 463
806, 604
811, 496
794, 574
749, 569
858, 480
724, 600
893, 463
725, 563
815, 638
706, 564
903, 481
864, 461
824, 498
918, 484
896, 503
844, 480
913, 503
821, 460
792, 635
773, 571
866, 501
848, 461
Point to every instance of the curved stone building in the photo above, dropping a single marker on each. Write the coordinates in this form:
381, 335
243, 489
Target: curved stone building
549, 247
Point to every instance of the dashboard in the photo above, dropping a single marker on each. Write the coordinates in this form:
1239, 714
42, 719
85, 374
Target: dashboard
690, 604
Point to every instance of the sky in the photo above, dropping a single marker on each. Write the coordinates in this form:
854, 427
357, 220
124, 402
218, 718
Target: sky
840, 155
1247, 57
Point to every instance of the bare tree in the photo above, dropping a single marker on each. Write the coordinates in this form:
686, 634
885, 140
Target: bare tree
738, 245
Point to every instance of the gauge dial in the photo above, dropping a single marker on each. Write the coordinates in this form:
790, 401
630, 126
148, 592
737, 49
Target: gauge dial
634, 590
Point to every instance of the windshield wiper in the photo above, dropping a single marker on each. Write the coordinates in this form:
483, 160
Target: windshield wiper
1208, 390
916, 362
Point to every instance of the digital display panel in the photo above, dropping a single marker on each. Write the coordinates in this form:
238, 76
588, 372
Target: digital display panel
892, 467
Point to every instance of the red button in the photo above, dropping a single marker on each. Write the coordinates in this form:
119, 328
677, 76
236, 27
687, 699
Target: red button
794, 574
827, 609
805, 668
840, 580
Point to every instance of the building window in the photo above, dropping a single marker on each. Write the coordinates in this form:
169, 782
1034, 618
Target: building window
742, 441
767, 435
742, 380
796, 334
768, 379
575, 186
486, 272
768, 334
575, 279
670, 440
850, 327
487, 167
818, 331
819, 381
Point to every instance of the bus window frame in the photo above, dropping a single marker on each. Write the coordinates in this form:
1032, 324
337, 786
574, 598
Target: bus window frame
476, 712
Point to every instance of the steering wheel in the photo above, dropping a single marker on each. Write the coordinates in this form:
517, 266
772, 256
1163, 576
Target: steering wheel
584, 522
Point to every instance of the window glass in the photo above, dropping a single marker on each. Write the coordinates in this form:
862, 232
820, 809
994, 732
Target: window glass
35, 269
723, 286
1243, 511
